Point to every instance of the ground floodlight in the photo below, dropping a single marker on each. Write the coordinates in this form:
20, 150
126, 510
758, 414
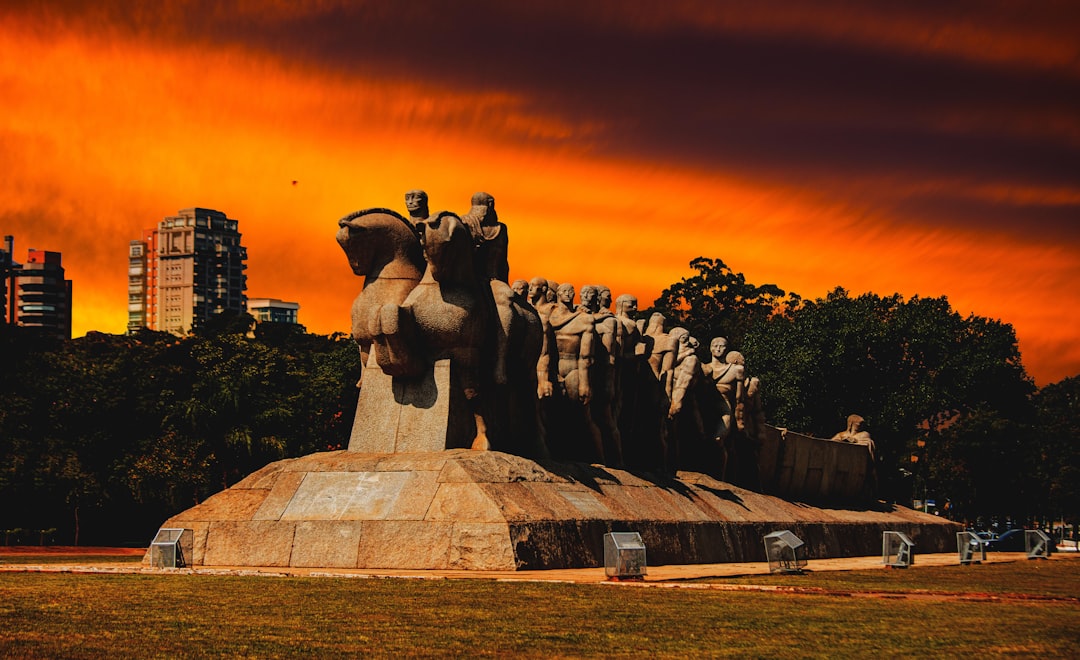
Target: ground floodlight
1036, 544
897, 550
165, 549
785, 551
970, 547
624, 556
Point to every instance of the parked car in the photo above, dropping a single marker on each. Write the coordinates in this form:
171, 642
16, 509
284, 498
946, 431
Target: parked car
1010, 541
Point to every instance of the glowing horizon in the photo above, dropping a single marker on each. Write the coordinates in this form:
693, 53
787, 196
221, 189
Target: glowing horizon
615, 170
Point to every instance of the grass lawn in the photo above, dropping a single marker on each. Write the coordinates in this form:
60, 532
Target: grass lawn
73, 615
1058, 578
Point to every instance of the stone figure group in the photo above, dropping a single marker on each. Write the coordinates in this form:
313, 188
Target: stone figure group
544, 370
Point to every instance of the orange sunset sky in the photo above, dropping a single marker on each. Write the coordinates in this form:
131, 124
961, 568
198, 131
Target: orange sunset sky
884, 147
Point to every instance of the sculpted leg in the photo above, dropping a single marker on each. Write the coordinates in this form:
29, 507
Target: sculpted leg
504, 312
395, 345
365, 351
467, 361
591, 432
480, 442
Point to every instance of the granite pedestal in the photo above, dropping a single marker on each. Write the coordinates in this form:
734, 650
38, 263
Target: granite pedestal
486, 510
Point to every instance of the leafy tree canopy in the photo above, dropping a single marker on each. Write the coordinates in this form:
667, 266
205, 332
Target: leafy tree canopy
718, 302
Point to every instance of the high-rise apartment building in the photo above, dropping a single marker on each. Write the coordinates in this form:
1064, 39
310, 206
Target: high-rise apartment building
7, 282
37, 293
188, 269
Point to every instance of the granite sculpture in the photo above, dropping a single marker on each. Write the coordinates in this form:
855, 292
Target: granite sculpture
529, 370
492, 419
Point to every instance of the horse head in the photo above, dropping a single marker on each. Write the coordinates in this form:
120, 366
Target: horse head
374, 239
448, 247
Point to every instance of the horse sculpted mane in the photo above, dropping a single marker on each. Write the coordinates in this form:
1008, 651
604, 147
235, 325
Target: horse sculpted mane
362, 212
390, 240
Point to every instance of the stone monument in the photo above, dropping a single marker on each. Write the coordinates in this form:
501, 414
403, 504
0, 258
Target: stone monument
499, 427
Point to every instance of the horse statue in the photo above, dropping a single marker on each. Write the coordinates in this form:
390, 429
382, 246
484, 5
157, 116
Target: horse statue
444, 316
385, 250
422, 302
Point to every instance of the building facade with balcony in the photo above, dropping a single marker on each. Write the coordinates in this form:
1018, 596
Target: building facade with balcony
188, 269
273, 310
38, 294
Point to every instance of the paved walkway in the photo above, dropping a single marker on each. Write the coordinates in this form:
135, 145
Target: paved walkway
656, 574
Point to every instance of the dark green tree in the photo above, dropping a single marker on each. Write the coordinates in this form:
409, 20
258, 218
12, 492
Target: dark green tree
718, 302
123, 431
910, 368
1057, 435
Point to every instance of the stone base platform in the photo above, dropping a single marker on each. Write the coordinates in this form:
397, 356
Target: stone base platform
463, 509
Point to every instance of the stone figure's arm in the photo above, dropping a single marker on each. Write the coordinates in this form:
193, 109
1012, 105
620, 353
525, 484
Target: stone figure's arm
544, 385
609, 338
667, 366
499, 251
683, 378
586, 352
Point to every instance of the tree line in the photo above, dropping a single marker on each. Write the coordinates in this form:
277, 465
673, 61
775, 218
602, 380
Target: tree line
105, 436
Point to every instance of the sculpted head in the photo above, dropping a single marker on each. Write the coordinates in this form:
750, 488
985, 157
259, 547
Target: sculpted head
537, 289
416, 202
552, 291
626, 305
588, 297
854, 423
603, 296
565, 294
735, 357
656, 324
718, 347
681, 336
486, 200
520, 287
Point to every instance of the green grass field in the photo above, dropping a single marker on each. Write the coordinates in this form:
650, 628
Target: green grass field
80, 615
1059, 578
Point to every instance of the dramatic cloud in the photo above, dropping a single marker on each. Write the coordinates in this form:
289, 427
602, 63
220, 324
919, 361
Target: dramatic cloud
915, 148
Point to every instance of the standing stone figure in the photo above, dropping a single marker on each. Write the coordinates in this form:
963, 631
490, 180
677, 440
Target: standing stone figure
568, 420
685, 419
603, 386
516, 335
491, 239
662, 353
717, 370
546, 367
744, 392
631, 373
